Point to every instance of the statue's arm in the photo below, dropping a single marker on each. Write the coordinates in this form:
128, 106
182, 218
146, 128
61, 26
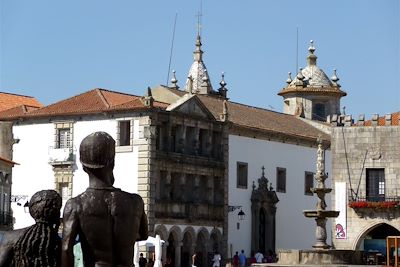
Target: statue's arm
70, 231
143, 229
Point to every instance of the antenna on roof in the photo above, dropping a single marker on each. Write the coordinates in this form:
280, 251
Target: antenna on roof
199, 16
172, 48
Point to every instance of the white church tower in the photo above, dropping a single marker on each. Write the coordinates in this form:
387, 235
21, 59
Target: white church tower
311, 94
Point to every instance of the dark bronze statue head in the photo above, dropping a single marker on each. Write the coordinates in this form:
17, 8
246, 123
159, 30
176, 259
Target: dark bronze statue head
45, 206
97, 150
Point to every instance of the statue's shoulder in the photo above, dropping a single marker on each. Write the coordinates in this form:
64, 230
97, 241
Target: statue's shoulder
73, 204
134, 197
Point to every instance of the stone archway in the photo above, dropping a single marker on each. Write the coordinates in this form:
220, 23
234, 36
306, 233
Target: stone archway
187, 247
215, 243
202, 248
374, 237
263, 211
173, 251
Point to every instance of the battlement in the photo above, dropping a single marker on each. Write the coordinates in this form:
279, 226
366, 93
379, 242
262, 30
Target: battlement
337, 120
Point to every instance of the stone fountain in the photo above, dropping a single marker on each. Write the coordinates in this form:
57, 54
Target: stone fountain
320, 214
322, 254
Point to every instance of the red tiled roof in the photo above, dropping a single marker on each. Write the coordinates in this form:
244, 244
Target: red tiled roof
17, 111
382, 120
262, 119
8, 100
93, 101
8, 161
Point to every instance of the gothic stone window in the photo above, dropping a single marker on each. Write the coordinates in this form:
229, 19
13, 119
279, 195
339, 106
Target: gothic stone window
281, 180
242, 174
308, 183
375, 184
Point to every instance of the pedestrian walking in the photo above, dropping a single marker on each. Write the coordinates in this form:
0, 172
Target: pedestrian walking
216, 259
236, 260
259, 257
242, 259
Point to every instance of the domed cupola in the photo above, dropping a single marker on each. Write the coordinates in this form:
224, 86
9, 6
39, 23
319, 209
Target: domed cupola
311, 94
200, 81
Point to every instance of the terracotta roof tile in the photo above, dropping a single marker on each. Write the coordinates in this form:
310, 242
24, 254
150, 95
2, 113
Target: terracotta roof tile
263, 119
8, 100
17, 111
93, 101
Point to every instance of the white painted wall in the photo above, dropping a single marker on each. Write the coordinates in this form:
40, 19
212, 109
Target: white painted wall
35, 173
293, 230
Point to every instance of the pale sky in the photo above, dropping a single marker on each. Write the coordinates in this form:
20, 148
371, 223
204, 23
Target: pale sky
53, 50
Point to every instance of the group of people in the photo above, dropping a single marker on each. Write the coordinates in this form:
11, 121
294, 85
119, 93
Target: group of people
240, 260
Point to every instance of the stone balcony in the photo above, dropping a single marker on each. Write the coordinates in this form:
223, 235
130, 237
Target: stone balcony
189, 211
61, 156
379, 206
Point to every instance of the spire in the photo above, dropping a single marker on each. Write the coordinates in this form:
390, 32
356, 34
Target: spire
201, 83
311, 59
174, 81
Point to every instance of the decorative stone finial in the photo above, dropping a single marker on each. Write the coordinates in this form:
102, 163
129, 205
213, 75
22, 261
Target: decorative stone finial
263, 171
335, 78
198, 52
289, 79
222, 82
311, 59
223, 90
311, 48
300, 75
174, 81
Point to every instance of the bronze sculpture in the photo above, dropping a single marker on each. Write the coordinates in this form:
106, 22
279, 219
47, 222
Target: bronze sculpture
38, 245
107, 220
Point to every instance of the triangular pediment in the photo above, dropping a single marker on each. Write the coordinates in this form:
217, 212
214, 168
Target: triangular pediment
191, 105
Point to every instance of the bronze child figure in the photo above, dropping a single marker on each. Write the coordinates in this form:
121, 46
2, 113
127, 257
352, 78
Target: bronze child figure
38, 245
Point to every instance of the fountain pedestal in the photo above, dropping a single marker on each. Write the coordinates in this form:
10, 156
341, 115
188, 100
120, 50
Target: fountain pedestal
321, 255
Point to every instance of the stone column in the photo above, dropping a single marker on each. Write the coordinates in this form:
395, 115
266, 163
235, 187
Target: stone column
178, 254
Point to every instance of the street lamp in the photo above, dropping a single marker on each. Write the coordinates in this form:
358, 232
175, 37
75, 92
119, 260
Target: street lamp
241, 214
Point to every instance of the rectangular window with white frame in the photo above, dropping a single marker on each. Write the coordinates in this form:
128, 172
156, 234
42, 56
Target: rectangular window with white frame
124, 132
242, 173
